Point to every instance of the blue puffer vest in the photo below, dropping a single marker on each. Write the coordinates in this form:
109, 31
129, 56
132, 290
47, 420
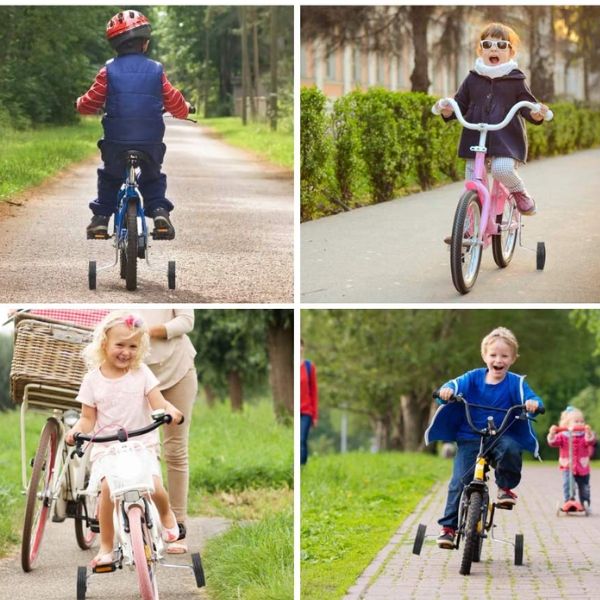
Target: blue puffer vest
134, 100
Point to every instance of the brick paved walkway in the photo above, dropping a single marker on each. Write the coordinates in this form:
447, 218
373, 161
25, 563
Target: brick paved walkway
561, 558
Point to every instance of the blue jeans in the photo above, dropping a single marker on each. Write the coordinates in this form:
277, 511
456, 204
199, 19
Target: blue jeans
506, 455
153, 183
581, 483
305, 425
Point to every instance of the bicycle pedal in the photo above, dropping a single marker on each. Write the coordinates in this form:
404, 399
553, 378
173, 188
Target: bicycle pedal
504, 506
98, 236
106, 567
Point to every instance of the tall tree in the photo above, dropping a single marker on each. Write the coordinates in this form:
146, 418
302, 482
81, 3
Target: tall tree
542, 51
419, 19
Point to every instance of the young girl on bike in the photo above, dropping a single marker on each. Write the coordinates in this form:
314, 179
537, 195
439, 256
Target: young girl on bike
494, 385
489, 91
121, 391
583, 439
133, 90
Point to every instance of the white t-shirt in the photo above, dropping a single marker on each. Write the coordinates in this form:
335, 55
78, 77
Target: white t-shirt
120, 403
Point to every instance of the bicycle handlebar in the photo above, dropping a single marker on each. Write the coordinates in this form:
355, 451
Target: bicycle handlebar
488, 126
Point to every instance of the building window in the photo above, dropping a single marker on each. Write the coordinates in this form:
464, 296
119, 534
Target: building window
357, 66
330, 66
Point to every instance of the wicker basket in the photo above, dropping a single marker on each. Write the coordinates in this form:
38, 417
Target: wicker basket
48, 353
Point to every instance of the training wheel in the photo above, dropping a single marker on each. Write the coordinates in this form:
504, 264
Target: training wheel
171, 274
540, 256
81, 583
198, 570
519, 549
419, 538
92, 275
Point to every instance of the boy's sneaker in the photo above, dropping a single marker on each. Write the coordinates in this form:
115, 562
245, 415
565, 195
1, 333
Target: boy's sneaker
506, 498
163, 228
98, 228
446, 538
525, 203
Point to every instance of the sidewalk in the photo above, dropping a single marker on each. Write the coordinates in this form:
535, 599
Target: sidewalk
561, 556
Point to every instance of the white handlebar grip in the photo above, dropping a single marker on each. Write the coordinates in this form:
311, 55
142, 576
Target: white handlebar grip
436, 109
549, 116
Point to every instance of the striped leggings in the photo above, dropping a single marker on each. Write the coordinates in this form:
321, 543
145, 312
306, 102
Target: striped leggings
502, 168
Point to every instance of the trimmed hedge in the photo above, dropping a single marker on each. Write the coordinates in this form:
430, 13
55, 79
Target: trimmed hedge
370, 146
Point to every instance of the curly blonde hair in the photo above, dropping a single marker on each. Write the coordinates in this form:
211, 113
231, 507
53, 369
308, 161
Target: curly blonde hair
569, 413
500, 333
94, 354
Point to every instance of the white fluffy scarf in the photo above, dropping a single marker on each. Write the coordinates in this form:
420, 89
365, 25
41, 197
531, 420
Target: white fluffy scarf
493, 71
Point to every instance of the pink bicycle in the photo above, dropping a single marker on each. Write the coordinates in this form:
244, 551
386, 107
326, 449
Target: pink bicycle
485, 216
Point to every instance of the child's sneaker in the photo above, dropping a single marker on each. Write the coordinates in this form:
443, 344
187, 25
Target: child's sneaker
163, 228
525, 203
98, 228
506, 497
446, 538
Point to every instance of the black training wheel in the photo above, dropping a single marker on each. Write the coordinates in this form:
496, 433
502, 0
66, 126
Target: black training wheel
540, 257
171, 274
198, 570
92, 275
519, 549
419, 538
81, 582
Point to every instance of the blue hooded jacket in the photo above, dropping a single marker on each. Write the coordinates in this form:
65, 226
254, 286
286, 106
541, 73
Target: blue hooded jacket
134, 100
450, 418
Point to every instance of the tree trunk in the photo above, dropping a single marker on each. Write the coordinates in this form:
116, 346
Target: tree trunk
280, 342
245, 64
419, 18
236, 393
542, 52
255, 69
274, 59
414, 418
206, 85
210, 396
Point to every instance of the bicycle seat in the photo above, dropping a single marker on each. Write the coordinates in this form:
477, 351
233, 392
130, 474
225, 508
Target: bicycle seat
135, 157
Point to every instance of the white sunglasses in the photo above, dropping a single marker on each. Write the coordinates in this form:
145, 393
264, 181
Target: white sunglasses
500, 44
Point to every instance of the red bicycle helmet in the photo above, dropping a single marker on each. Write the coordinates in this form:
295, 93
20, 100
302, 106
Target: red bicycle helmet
127, 25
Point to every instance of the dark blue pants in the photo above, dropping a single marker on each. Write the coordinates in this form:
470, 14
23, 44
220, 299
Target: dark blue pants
153, 183
305, 425
581, 483
507, 457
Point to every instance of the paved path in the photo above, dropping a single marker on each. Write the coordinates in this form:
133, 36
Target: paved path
561, 559
393, 252
55, 574
234, 218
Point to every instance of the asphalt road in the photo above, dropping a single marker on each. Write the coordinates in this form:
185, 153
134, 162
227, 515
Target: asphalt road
54, 576
561, 553
394, 252
234, 218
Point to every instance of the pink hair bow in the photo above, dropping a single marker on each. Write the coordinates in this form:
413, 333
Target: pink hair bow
132, 322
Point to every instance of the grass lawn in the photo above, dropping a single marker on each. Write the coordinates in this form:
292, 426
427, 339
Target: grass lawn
28, 157
276, 147
351, 506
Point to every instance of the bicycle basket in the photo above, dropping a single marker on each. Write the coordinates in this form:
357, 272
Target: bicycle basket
48, 353
128, 466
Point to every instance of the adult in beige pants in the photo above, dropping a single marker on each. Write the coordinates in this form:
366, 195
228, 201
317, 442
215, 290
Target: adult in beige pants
171, 359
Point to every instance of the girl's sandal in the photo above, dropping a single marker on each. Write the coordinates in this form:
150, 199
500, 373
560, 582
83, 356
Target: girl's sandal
171, 534
102, 559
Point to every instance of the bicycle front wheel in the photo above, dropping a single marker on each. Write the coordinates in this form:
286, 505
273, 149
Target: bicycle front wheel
132, 247
39, 495
141, 546
87, 508
473, 531
504, 244
465, 249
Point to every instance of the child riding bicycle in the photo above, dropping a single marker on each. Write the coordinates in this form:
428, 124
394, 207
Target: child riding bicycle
490, 89
582, 440
121, 391
493, 386
133, 90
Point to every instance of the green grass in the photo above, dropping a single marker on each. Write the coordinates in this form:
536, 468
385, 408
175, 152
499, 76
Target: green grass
276, 147
253, 561
351, 506
28, 157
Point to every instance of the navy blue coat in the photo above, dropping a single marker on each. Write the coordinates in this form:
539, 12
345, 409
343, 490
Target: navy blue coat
485, 100
134, 100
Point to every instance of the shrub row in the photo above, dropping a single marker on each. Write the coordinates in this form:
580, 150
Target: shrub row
370, 145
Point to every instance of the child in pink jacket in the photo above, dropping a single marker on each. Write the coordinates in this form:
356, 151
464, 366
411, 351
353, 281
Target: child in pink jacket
583, 446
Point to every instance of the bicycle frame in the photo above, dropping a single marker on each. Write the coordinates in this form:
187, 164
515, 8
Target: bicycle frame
129, 192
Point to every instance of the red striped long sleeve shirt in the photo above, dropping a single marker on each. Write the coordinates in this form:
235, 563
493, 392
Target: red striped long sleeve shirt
93, 100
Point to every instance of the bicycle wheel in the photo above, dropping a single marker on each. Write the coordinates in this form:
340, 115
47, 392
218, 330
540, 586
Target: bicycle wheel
198, 570
419, 538
132, 247
519, 549
92, 275
81, 583
465, 252
39, 495
471, 532
171, 274
86, 506
142, 552
504, 244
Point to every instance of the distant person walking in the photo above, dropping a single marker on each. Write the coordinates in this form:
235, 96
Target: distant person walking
309, 402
